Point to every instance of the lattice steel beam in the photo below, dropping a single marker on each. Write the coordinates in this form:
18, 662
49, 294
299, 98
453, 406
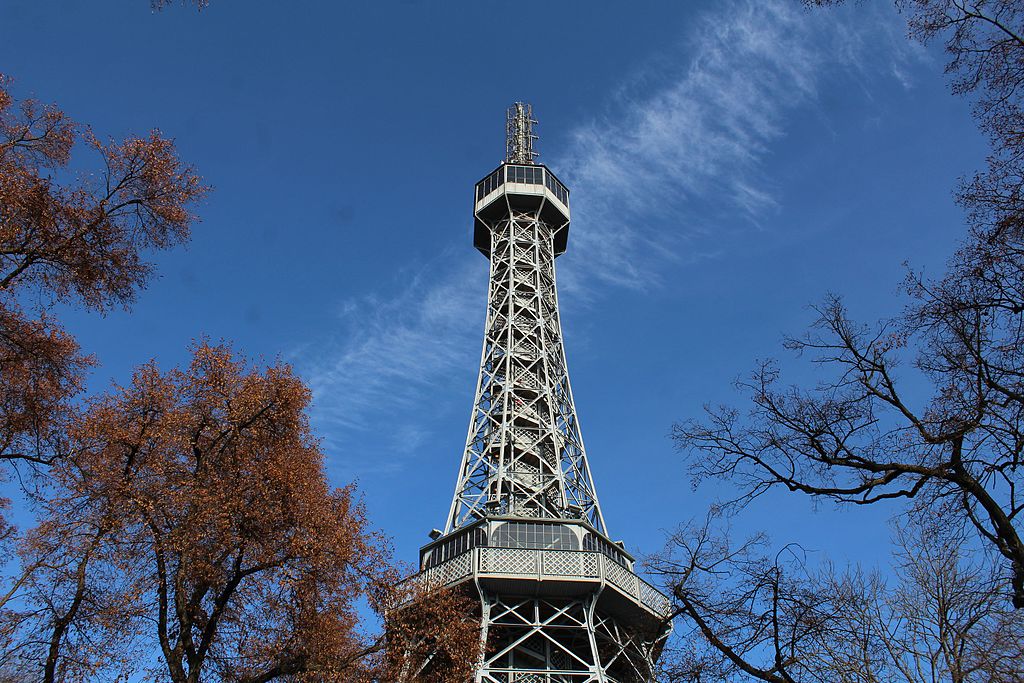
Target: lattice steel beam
559, 600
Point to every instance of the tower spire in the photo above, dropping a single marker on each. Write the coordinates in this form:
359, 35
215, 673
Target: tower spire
519, 137
559, 600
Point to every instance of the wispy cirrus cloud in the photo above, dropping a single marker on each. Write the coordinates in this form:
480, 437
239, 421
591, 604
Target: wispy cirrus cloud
681, 145
686, 142
389, 354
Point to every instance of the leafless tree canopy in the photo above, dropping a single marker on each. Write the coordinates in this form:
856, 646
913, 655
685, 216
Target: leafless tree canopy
749, 614
862, 436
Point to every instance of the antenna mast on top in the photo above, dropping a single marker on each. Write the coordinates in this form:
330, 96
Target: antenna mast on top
519, 138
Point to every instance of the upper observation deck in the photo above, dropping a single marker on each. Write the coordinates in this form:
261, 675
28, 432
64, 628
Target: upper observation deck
520, 187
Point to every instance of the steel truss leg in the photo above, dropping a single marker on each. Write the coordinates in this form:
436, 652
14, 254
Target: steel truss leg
558, 640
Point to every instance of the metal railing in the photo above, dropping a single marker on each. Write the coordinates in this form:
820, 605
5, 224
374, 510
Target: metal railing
553, 564
537, 676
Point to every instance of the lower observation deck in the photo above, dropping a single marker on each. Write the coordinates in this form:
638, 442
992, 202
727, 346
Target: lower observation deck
555, 573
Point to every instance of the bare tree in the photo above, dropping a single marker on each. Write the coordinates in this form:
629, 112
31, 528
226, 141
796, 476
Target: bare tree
858, 439
747, 614
862, 435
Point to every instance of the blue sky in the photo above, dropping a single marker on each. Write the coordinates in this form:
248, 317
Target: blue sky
730, 162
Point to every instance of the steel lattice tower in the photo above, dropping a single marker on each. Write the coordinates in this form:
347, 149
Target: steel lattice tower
560, 602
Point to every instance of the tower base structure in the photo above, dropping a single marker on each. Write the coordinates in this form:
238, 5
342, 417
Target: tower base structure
558, 640
552, 615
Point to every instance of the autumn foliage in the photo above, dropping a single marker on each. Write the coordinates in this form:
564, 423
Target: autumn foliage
186, 529
71, 237
194, 518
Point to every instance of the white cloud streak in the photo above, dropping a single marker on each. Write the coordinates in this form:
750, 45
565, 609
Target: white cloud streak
391, 355
692, 151
681, 146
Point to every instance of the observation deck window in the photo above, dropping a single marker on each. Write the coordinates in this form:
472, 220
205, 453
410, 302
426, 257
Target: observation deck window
595, 543
527, 175
456, 545
556, 188
490, 183
533, 535
531, 175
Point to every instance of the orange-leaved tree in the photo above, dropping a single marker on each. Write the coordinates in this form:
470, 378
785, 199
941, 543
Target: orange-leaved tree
193, 518
71, 237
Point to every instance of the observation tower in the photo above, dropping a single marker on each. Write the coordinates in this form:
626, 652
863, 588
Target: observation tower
560, 601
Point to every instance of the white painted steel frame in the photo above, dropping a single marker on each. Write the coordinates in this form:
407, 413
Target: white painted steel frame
558, 640
524, 452
547, 615
486, 563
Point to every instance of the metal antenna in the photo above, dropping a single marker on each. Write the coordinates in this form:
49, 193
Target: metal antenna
519, 137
